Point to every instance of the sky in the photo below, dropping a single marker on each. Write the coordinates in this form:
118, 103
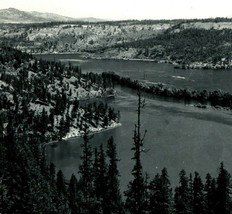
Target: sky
127, 9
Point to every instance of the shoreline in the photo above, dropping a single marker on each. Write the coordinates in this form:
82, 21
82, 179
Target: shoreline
217, 98
176, 65
84, 57
92, 132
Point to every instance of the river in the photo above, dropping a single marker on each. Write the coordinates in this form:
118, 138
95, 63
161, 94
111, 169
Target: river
180, 136
153, 72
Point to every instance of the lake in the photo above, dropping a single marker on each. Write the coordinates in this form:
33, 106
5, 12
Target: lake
180, 136
153, 72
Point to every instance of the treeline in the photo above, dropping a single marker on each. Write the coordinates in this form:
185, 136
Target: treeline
191, 196
9, 54
217, 98
28, 184
178, 21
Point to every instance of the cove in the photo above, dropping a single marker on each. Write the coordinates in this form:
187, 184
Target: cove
180, 136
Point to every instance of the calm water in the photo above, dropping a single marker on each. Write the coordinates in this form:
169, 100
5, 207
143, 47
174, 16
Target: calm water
154, 72
179, 136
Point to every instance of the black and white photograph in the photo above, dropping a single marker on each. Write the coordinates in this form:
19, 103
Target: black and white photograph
115, 107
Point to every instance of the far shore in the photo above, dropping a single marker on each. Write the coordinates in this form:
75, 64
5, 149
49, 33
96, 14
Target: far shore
84, 57
191, 65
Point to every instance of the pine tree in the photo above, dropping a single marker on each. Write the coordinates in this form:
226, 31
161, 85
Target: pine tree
135, 195
167, 191
155, 195
114, 203
102, 184
223, 191
210, 194
60, 184
88, 200
28, 189
16, 175
191, 190
100, 180
182, 197
160, 194
198, 195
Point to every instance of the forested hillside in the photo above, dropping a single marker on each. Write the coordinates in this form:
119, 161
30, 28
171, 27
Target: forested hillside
48, 98
41, 101
79, 37
190, 47
185, 43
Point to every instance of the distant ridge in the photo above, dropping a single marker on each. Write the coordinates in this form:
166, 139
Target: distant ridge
12, 15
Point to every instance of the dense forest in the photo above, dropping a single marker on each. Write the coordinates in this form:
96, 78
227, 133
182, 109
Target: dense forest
50, 99
188, 45
29, 184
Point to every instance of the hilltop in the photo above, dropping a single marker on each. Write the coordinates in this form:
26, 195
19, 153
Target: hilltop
184, 43
12, 15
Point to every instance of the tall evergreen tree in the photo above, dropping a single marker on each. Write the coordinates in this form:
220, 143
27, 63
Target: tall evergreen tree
167, 191
28, 190
135, 195
114, 203
182, 197
198, 195
191, 191
160, 194
155, 195
210, 195
17, 175
100, 179
223, 191
88, 201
